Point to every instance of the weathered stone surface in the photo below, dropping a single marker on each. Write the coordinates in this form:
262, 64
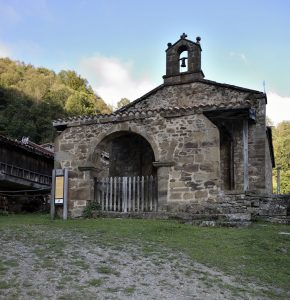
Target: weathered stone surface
201, 194
189, 132
191, 145
206, 167
191, 167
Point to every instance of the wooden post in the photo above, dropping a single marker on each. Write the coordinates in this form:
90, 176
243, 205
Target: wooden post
115, 193
150, 193
107, 194
96, 190
232, 166
52, 206
246, 154
278, 180
124, 194
120, 192
129, 193
134, 193
103, 193
111, 194
65, 194
142, 193
138, 193
155, 194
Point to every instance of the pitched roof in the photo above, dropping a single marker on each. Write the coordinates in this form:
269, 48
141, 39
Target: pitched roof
258, 94
29, 147
124, 113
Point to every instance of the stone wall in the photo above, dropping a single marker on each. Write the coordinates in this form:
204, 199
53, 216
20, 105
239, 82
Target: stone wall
257, 145
201, 95
185, 143
208, 95
189, 144
195, 176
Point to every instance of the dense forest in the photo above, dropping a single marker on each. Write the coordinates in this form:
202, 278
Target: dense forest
281, 142
30, 98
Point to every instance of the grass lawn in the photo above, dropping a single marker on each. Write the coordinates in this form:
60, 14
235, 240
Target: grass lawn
257, 254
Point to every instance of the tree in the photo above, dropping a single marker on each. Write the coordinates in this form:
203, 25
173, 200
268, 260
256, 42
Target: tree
123, 102
81, 103
31, 98
281, 142
74, 81
102, 107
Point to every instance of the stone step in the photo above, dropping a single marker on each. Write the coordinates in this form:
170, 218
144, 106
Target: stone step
227, 220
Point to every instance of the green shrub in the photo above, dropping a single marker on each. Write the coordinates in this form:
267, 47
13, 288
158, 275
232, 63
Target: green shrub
90, 208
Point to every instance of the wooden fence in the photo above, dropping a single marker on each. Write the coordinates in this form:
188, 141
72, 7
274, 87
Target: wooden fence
127, 194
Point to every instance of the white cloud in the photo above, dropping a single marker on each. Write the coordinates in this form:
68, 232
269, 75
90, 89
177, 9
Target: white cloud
113, 79
239, 56
278, 108
5, 51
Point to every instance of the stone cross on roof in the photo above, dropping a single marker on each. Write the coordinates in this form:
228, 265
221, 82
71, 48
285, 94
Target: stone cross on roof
183, 36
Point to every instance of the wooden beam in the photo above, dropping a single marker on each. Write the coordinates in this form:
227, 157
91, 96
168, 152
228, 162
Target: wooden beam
246, 153
232, 166
52, 207
65, 194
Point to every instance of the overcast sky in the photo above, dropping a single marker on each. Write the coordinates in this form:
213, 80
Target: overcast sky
119, 45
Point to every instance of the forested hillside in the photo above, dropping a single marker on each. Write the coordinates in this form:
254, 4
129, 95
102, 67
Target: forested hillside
30, 98
281, 142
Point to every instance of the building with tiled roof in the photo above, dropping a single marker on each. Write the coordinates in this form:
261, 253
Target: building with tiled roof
25, 170
187, 146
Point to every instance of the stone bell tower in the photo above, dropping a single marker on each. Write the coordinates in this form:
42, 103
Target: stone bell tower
183, 61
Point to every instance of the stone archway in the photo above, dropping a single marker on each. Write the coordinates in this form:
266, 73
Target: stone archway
124, 153
126, 179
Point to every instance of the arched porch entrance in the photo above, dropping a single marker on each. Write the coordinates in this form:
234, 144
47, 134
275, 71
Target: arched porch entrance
126, 179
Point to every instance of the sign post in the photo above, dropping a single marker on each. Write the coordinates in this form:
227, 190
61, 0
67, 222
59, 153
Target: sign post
59, 191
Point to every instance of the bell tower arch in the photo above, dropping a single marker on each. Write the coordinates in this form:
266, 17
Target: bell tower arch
183, 61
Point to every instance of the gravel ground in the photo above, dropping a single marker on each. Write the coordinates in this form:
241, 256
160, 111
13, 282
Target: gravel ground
41, 263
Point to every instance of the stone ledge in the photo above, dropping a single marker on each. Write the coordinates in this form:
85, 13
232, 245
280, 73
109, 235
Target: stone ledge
158, 164
227, 220
87, 168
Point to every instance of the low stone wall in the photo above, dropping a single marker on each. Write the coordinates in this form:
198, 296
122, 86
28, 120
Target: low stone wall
234, 209
275, 209
272, 208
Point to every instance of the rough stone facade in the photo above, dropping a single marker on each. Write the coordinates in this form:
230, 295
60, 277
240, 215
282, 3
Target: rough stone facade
201, 139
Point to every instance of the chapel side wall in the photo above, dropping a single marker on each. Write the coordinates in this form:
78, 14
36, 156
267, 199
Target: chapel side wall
194, 181
257, 146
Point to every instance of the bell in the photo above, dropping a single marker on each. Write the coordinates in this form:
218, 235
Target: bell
183, 65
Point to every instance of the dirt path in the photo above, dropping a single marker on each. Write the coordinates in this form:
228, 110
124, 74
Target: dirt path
37, 263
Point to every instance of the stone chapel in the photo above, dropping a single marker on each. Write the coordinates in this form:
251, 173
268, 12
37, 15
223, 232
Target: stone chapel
190, 146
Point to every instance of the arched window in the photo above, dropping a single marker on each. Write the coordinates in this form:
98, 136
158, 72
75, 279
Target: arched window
183, 60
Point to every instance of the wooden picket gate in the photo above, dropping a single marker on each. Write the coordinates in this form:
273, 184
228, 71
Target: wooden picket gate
127, 194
